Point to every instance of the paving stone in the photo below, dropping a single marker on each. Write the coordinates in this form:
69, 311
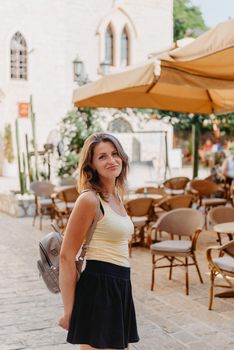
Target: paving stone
167, 318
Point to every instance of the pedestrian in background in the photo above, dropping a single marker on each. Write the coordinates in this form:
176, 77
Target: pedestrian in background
99, 310
228, 168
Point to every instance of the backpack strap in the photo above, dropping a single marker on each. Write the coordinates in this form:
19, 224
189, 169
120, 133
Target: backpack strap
91, 229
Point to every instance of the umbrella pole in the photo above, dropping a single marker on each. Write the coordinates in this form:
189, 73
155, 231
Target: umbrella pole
195, 139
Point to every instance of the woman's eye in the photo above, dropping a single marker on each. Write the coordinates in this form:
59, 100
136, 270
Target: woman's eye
115, 154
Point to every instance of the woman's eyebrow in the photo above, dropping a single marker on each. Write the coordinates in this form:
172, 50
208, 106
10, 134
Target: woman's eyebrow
104, 153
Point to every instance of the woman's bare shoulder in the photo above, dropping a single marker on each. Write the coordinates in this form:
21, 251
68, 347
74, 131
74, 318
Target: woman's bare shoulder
88, 198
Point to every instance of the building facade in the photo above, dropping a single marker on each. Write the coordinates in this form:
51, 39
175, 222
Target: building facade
40, 40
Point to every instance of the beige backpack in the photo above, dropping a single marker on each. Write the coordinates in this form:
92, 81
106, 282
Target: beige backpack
49, 250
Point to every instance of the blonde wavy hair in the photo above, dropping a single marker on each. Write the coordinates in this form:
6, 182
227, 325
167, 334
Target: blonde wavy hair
88, 177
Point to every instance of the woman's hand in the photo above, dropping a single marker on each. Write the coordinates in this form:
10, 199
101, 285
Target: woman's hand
64, 322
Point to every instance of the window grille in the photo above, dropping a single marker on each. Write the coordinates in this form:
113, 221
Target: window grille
19, 57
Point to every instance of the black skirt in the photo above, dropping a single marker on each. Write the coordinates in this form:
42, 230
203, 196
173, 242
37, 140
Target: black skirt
103, 314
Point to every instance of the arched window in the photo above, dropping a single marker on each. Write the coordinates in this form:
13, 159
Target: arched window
124, 48
109, 46
18, 57
119, 124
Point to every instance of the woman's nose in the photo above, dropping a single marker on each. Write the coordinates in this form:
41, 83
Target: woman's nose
111, 159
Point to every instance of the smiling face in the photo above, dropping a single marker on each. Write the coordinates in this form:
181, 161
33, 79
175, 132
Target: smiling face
106, 161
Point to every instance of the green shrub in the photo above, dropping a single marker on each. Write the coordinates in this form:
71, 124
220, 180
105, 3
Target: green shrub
75, 127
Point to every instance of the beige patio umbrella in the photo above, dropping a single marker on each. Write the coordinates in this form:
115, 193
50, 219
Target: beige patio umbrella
198, 78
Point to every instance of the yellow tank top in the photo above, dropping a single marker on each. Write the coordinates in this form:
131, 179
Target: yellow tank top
110, 239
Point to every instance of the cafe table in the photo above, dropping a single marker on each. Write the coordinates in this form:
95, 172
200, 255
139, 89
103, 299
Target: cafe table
131, 196
224, 228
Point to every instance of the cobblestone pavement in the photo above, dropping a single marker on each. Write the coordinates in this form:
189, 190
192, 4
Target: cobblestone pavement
167, 318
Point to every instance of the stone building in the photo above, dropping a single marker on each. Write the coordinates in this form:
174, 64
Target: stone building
40, 40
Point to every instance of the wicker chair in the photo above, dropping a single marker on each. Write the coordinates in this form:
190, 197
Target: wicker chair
166, 204
206, 192
153, 190
43, 202
140, 212
184, 222
176, 185
175, 202
64, 202
220, 215
222, 266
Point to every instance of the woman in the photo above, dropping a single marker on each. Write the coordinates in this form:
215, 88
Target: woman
228, 169
99, 311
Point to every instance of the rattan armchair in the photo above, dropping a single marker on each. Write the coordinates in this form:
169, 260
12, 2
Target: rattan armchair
176, 185
64, 201
223, 266
185, 223
206, 192
220, 215
42, 191
175, 202
140, 212
152, 191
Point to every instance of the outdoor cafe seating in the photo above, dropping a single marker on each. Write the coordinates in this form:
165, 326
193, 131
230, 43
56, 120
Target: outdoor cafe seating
140, 211
221, 215
148, 190
175, 202
166, 204
42, 191
156, 193
208, 195
223, 266
177, 252
176, 185
63, 202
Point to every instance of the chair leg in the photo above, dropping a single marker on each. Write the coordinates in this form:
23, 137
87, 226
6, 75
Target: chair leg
153, 272
171, 266
198, 270
186, 276
41, 216
52, 214
205, 214
35, 214
34, 218
148, 239
212, 276
219, 238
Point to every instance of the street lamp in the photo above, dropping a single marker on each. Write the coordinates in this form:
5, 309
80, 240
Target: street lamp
79, 72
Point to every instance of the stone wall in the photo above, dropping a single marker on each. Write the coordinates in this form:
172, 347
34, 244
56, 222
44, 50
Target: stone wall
17, 205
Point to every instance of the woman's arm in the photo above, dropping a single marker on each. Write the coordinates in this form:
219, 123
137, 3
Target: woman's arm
78, 224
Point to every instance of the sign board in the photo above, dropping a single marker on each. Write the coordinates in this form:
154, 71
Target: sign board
23, 109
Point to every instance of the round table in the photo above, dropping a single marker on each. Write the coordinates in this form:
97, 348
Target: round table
131, 196
225, 228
